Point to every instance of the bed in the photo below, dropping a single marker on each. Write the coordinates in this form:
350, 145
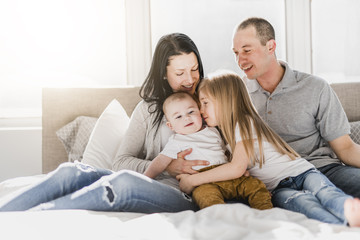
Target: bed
62, 107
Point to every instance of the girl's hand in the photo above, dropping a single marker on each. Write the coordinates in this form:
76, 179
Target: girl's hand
180, 165
185, 183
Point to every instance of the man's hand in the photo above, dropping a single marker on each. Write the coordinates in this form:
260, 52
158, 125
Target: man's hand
185, 183
180, 165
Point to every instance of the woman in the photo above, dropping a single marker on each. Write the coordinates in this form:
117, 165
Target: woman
176, 66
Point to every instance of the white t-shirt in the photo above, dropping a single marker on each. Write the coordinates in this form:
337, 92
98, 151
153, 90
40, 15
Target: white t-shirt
206, 144
277, 166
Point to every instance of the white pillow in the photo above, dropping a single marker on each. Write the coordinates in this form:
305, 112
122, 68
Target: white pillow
106, 137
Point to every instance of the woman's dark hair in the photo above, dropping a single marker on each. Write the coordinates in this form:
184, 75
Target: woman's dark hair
155, 88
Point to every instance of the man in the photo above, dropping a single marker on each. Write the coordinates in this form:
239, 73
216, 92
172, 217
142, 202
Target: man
300, 107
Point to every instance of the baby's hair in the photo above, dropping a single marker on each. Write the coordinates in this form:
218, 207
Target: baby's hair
233, 107
178, 96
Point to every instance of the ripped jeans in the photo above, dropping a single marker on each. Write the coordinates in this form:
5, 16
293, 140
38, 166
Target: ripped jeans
312, 194
80, 186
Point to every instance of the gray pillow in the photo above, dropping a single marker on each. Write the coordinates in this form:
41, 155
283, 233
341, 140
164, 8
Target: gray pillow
75, 136
355, 131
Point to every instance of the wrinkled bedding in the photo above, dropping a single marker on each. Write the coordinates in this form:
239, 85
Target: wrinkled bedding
230, 221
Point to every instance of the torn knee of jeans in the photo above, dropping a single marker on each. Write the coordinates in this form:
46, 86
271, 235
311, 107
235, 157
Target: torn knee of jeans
295, 195
323, 185
84, 167
187, 197
109, 194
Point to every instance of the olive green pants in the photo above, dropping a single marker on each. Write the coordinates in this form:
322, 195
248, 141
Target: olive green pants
248, 188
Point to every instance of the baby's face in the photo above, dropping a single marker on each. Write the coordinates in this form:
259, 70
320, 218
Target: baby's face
183, 116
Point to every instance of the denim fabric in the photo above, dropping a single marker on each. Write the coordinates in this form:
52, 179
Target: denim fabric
313, 195
80, 186
347, 178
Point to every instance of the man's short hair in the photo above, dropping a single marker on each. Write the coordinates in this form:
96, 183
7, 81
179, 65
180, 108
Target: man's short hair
264, 30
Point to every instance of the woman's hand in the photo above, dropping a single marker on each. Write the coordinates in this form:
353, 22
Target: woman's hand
180, 165
185, 183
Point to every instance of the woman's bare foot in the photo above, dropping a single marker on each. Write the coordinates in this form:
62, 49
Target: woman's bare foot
352, 212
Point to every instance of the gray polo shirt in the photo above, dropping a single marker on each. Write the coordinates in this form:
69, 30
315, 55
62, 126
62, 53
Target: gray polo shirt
305, 112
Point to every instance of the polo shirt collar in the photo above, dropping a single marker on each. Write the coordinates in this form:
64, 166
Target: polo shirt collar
288, 80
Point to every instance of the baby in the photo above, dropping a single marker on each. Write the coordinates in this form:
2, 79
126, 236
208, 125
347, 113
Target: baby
184, 118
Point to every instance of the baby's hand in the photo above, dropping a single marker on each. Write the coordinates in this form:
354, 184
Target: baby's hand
185, 183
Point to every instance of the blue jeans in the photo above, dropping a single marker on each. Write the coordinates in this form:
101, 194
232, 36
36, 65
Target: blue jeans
347, 178
80, 186
312, 194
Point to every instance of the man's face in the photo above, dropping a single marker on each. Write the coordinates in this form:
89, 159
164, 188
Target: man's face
251, 56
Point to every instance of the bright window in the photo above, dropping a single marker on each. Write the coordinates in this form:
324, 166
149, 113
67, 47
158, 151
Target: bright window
210, 24
48, 43
335, 39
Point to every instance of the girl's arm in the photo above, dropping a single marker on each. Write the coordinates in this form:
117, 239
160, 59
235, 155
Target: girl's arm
157, 166
234, 169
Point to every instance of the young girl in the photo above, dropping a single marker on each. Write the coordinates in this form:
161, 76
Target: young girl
183, 117
295, 184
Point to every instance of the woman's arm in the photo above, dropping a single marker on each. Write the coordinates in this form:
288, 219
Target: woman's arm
157, 166
234, 169
182, 166
131, 151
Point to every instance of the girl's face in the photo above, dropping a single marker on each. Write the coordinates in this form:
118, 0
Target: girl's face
182, 73
207, 109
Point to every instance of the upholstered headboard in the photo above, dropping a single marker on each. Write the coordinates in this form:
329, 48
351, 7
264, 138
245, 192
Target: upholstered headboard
349, 96
62, 105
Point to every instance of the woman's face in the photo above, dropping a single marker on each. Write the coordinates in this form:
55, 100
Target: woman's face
182, 72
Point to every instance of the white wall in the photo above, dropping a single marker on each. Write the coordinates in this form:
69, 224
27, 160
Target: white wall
68, 43
58, 44
20, 152
48, 44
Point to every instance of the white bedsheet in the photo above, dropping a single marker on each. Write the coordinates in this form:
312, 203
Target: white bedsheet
230, 221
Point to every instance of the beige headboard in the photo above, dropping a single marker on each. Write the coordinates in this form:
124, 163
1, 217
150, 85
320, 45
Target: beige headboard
349, 96
62, 105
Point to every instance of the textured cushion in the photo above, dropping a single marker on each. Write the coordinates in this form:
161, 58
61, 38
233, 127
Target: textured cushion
75, 136
355, 131
348, 94
106, 136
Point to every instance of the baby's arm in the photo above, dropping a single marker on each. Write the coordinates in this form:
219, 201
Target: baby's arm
157, 166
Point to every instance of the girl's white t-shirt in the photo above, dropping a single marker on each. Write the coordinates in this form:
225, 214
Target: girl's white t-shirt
277, 166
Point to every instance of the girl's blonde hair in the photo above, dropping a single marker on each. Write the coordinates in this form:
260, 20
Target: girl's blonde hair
233, 107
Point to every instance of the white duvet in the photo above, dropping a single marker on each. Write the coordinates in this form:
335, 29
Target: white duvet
230, 221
